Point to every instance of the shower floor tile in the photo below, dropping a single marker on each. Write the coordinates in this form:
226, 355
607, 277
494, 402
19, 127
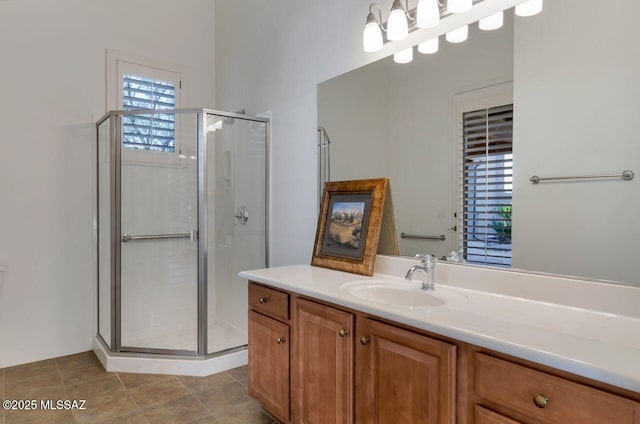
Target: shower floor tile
126, 398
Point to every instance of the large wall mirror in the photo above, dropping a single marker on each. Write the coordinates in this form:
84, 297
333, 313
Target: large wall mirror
461, 132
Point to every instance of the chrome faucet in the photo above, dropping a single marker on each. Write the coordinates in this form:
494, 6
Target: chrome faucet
426, 268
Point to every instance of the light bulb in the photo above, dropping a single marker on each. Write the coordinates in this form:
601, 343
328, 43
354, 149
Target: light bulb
458, 35
372, 35
429, 46
459, 6
529, 8
404, 56
397, 25
492, 22
428, 14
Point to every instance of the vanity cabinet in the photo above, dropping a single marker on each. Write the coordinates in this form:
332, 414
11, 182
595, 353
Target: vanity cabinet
532, 396
311, 362
400, 375
404, 377
269, 354
322, 364
485, 416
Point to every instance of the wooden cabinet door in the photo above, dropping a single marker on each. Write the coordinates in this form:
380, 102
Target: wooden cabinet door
404, 377
485, 416
322, 370
269, 364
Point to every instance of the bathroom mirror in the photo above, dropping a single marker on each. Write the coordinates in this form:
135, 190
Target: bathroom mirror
571, 73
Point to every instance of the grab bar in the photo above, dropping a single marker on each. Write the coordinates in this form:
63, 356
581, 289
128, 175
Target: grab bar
193, 235
324, 161
626, 176
410, 236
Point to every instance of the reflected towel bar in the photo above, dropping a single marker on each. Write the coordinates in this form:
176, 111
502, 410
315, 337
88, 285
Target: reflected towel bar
410, 236
626, 176
193, 235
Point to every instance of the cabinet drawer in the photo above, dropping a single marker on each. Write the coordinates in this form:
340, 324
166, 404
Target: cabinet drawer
485, 416
516, 387
269, 301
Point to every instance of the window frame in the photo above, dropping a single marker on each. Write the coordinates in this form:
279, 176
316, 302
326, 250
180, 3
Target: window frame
120, 63
495, 95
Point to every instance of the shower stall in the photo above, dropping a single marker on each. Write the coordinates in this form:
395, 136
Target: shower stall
181, 209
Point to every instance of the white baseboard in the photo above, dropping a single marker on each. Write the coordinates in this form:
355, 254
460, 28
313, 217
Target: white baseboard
149, 364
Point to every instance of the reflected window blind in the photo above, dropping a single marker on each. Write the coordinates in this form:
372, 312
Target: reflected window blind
148, 132
487, 178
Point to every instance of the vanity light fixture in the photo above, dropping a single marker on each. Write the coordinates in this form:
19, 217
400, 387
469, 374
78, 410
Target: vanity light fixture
427, 14
372, 35
458, 35
401, 21
529, 8
430, 46
492, 22
459, 6
404, 56
397, 25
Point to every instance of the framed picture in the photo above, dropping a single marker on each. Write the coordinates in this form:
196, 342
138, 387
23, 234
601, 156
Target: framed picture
349, 225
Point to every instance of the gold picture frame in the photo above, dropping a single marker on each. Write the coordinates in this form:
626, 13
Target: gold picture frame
349, 225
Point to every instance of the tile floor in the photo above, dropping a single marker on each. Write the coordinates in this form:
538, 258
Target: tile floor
127, 398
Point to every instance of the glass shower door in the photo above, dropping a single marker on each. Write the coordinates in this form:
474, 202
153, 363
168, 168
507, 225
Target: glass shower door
158, 225
236, 151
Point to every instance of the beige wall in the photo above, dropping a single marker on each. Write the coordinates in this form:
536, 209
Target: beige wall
53, 90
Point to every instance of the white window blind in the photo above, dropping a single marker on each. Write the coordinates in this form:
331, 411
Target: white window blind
487, 162
150, 131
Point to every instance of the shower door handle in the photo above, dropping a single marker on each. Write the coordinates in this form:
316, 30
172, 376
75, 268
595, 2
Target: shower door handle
192, 235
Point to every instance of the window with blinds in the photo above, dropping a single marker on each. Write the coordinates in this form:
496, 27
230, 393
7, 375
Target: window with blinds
487, 176
151, 131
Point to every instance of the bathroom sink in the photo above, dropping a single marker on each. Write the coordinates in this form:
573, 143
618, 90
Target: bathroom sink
400, 293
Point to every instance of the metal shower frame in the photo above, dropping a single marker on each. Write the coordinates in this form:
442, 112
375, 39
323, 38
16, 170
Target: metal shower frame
115, 146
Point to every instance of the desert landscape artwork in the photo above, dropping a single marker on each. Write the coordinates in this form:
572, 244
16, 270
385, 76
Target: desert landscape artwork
349, 225
345, 228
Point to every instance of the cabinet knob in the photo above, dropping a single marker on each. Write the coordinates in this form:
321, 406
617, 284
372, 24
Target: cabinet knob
263, 300
343, 333
280, 340
540, 401
365, 340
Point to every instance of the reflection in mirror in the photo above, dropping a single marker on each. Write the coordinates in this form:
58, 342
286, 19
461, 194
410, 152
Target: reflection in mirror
400, 124
552, 96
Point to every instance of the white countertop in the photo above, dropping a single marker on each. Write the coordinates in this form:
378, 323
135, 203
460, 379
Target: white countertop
599, 343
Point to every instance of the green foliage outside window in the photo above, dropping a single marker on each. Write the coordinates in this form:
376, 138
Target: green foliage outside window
502, 226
